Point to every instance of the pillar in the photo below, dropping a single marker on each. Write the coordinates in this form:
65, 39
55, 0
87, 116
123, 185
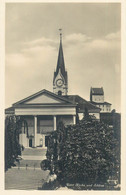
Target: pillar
43, 140
74, 119
54, 119
35, 130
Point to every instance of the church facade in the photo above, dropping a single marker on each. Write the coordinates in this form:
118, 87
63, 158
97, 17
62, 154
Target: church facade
44, 109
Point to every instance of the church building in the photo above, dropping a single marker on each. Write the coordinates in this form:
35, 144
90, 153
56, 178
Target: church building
44, 109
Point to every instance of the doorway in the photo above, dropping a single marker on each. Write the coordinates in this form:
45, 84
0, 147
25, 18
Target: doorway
41, 142
46, 141
30, 142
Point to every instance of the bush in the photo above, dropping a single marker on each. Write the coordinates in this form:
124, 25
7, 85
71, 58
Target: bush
45, 165
84, 153
13, 126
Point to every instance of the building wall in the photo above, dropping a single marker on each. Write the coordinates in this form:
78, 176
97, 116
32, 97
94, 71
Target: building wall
67, 120
63, 89
39, 138
105, 108
81, 115
98, 98
43, 99
46, 111
30, 122
23, 140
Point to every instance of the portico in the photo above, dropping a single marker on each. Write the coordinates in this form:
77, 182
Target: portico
40, 127
42, 112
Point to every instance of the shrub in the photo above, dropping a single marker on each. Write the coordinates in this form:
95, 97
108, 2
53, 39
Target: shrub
84, 153
13, 126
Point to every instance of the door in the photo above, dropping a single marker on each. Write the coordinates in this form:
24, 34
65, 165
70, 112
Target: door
30, 142
41, 142
46, 141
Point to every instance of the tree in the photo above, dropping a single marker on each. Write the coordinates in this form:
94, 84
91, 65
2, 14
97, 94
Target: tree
113, 111
13, 126
84, 153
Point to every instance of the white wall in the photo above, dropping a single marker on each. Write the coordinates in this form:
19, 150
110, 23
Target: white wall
43, 99
97, 98
23, 140
81, 115
105, 108
46, 111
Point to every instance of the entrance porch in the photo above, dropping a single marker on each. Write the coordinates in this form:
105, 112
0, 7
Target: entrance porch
40, 127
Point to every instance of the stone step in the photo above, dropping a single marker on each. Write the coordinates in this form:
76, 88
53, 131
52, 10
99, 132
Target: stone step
25, 179
30, 163
33, 177
34, 152
26, 157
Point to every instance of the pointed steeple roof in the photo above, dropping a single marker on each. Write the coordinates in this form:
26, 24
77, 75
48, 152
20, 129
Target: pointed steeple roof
60, 62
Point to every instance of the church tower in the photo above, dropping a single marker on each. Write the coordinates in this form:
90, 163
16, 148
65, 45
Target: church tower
60, 80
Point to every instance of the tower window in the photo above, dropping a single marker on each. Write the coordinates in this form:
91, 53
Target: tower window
59, 92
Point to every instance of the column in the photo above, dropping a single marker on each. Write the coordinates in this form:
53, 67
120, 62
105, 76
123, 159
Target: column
43, 140
35, 129
54, 119
74, 119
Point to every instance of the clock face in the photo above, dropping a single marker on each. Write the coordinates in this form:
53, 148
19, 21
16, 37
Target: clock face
59, 82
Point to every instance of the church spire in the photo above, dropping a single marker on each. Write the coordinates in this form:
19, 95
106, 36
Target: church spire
60, 34
60, 62
60, 81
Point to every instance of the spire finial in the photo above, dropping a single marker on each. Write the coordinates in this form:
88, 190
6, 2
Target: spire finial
60, 29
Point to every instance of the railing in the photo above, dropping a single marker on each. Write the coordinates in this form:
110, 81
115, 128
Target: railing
34, 167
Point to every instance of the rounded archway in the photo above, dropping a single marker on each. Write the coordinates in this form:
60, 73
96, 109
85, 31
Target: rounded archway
59, 92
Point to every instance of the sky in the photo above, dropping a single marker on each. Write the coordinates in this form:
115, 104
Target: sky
91, 46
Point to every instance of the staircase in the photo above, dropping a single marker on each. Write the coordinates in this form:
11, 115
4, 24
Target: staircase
22, 179
27, 174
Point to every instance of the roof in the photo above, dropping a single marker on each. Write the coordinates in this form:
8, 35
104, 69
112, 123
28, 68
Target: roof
44, 91
97, 91
9, 110
82, 104
60, 101
101, 103
60, 63
68, 100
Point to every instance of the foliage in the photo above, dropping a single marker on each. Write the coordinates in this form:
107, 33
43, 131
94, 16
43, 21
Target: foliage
45, 165
13, 126
51, 185
84, 153
111, 118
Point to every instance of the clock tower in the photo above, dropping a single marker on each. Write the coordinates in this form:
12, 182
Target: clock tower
60, 80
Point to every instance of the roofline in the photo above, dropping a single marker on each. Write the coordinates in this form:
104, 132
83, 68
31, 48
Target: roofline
38, 93
86, 101
101, 103
91, 104
97, 94
43, 105
90, 111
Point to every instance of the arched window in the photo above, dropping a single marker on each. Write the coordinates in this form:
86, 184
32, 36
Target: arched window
59, 92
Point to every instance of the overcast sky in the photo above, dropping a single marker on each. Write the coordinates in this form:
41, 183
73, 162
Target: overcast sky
91, 45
